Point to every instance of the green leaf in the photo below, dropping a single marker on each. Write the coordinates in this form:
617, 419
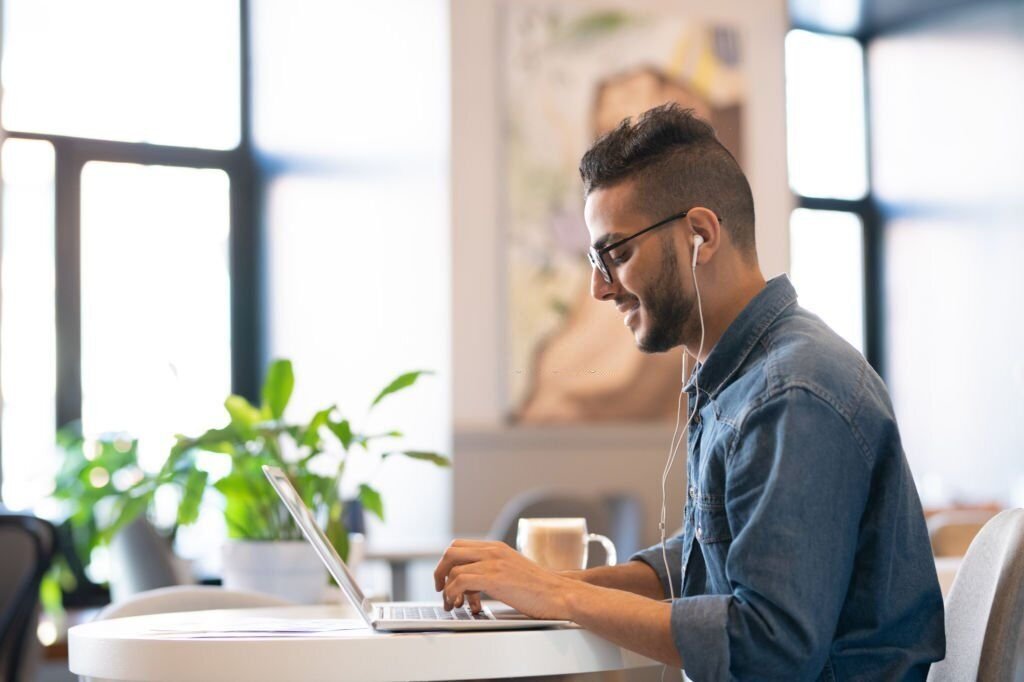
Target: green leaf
311, 436
403, 381
244, 417
277, 388
192, 496
343, 431
423, 455
371, 500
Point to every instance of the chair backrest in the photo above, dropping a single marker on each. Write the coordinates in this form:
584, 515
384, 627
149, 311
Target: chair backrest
26, 545
180, 598
617, 517
985, 608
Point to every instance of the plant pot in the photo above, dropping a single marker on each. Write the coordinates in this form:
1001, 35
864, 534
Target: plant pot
289, 569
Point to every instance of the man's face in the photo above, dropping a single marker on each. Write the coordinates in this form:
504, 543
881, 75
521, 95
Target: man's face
647, 286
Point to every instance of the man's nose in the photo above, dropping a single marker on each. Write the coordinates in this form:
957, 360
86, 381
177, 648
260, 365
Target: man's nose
600, 289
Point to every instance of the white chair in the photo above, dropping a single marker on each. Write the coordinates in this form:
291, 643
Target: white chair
181, 598
985, 608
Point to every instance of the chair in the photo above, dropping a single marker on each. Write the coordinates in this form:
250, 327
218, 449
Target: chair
26, 545
182, 598
952, 530
985, 608
616, 516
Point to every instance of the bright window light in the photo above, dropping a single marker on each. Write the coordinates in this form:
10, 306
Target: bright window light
159, 71
28, 368
825, 116
827, 268
156, 353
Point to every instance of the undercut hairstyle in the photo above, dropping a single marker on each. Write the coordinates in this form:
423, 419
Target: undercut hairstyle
677, 163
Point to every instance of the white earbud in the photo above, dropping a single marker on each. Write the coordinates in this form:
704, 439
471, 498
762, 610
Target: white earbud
697, 241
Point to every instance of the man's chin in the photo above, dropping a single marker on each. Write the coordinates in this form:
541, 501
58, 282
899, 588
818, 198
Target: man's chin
645, 344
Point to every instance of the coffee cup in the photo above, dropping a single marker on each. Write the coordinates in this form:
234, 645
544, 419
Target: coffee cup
560, 544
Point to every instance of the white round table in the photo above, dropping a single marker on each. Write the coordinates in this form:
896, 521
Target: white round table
134, 649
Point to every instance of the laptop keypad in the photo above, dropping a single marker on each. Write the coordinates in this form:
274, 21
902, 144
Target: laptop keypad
434, 613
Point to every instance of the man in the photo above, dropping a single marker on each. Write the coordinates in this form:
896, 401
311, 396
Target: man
804, 553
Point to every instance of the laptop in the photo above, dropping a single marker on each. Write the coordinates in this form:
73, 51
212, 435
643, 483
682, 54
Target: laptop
395, 616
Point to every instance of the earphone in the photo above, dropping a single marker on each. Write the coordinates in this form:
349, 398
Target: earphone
698, 241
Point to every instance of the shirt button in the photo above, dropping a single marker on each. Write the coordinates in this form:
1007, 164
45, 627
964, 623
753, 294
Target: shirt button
699, 533
693, 492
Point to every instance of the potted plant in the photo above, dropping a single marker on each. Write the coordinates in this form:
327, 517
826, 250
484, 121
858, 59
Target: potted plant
266, 550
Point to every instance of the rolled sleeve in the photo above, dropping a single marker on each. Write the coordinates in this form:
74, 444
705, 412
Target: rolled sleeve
652, 557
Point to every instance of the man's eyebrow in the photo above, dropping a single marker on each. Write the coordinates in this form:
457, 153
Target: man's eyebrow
606, 238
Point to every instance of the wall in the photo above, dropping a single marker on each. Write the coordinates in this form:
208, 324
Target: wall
492, 461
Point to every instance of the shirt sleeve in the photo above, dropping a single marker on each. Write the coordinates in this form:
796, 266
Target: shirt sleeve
653, 557
797, 481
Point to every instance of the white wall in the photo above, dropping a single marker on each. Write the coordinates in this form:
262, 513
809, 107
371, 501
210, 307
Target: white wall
493, 462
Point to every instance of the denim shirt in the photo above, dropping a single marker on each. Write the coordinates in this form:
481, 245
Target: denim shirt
804, 553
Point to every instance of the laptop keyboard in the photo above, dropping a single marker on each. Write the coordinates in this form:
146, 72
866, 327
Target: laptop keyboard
434, 613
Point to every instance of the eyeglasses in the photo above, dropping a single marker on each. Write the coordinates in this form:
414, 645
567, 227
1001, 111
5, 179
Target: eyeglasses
596, 256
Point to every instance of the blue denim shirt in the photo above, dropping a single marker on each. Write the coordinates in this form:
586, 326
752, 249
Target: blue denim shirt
804, 553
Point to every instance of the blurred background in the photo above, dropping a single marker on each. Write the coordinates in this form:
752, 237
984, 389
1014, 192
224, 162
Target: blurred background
192, 189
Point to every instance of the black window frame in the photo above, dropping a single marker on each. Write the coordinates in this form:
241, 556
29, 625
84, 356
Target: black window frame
245, 263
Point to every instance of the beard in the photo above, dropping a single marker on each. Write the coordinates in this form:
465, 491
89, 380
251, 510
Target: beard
667, 307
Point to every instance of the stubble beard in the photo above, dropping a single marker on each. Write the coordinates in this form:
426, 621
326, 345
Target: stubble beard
666, 306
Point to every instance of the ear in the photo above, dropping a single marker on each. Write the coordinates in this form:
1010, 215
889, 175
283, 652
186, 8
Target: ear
705, 223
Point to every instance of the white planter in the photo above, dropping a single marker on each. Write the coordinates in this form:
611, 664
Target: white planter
289, 569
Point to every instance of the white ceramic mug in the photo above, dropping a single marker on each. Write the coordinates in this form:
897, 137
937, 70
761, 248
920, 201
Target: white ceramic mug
560, 544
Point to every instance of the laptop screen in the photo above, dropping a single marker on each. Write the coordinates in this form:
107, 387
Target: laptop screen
324, 549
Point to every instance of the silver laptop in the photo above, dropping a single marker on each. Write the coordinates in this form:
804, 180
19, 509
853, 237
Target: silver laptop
395, 615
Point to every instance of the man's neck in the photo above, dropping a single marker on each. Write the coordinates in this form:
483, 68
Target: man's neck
720, 311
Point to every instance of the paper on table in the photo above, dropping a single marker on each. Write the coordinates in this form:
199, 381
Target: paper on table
255, 627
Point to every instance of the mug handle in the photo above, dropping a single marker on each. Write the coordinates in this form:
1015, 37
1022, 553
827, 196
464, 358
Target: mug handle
610, 557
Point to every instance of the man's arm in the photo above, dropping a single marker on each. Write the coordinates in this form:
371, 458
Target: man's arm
632, 621
633, 576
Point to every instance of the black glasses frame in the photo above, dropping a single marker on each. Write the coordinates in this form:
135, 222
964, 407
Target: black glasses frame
596, 256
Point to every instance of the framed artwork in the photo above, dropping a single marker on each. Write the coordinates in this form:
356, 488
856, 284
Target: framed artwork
571, 73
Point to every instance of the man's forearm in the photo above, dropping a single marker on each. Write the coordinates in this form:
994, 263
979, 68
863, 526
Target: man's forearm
632, 576
632, 621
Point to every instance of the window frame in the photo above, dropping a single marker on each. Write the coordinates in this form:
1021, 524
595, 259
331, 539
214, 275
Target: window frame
245, 241
867, 209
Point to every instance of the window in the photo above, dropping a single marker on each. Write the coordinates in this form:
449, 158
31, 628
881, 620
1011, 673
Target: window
825, 116
161, 71
832, 234
28, 337
129, 249
827, 266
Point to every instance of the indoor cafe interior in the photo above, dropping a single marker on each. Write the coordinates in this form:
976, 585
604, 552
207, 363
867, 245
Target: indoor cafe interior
308, 308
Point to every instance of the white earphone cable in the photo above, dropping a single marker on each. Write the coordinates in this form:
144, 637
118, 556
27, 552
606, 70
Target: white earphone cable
674, 447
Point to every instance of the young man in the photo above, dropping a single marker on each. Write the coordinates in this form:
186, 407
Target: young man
804, 553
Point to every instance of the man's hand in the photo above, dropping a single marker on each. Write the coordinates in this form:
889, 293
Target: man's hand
469, 567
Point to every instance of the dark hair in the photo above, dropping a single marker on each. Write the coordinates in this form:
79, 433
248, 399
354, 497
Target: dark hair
677, 162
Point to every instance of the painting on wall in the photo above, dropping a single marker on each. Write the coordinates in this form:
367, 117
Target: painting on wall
572, 73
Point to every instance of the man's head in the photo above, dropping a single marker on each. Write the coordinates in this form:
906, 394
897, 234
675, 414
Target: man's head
665, 163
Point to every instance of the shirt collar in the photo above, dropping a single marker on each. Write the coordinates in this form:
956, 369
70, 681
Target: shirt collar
742, 335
